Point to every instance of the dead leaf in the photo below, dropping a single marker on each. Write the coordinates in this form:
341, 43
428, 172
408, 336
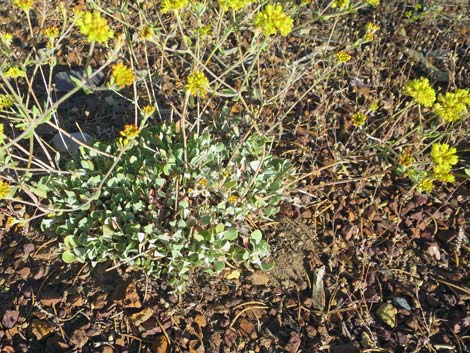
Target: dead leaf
130, 298
41, 328
160, 345
318, 291
235, 274
388, 313
140, 317
259, 278
79, 338
294, 343
200, 320
10, 318
247, 328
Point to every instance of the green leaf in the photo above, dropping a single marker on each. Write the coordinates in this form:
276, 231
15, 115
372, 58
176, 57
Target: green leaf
256, 236
219, 228
107, 230
230, 234
69, 242
219, 266
69, 257
266, 266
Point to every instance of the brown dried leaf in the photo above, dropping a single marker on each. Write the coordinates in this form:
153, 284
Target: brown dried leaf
140, 317
160, 345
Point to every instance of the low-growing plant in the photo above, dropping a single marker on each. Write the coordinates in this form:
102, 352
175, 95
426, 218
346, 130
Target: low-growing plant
150, 208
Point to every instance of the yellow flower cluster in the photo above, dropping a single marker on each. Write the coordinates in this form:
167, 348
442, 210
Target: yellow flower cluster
421, 91
451, 106
5, 101
95, 27
148, 110
51, 32
6, 38
343, 56
358, 119
405, 159
122, 75
373, 2
426, 185
197, 84
444, 157
2, 134
15, 72
371, 29
273, 19
24, 5
4, 189
173, 5
341, 4
130, 131
234, 4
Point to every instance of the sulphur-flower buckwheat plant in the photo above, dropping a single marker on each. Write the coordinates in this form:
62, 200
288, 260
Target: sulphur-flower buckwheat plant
51, 32
95, 27
122, 75
173, 5
4, 189
371, 29
373, 2
442, 173
15, 72
5, 101
358, 119
426, 185
2, 134
235, 5
24, 5
6, 38
442, 153
130, 131
421, 92
273, 19
451, 106
343, 57
341, 4
197, 84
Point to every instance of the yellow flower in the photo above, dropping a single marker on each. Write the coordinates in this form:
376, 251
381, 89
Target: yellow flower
342, 4
130, 131
203, 182
371, 29
148, 110
51, 32
421, 91
197, 84
169, 5
234, 4
146, 33
358, 119
15, 72
5, 101
405, 159
373, 2
442, 172
233, 198
343, 57
426, 185
273, 19
6, 38
443, 154
24, 5
373, 106
4, 189
451, 106
122, 75
2, 134
94, 26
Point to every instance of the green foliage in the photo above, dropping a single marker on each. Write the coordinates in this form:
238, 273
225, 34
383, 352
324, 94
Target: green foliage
150, 209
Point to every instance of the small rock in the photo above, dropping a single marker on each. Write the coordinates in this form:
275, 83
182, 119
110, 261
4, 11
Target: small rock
10, 318
63, 143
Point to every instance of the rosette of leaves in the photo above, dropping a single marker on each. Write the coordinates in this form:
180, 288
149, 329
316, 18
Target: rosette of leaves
152, 210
